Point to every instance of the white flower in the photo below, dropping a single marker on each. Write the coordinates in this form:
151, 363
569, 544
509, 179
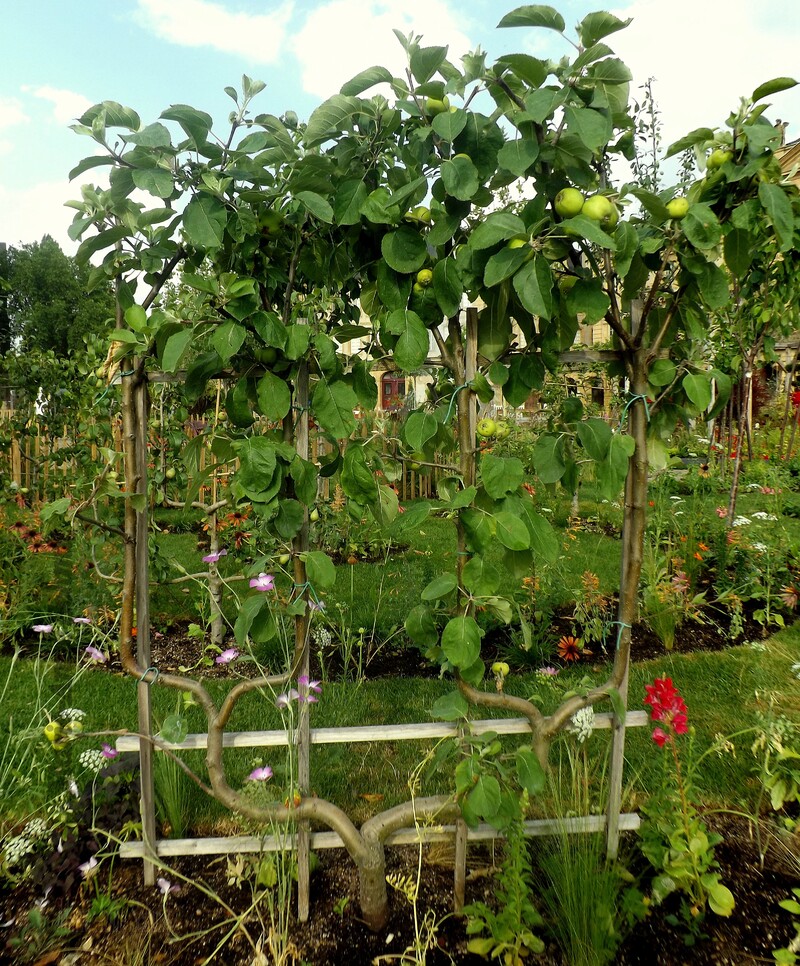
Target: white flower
796, 670
741, 521
36, 829
582, 723
92, 759
17, 848
72, 714
761, 515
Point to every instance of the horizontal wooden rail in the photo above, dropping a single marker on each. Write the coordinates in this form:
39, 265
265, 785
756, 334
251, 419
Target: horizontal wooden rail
221, 845
397, 732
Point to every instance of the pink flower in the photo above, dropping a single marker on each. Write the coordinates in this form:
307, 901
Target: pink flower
107, 751
263, 582
260, 774
214, 557
95, 655
227, 656
42, 628
721, 512
284, 700
81, 620
165, 886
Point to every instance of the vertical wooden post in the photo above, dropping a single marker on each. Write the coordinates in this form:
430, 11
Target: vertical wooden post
143, 653
303, 736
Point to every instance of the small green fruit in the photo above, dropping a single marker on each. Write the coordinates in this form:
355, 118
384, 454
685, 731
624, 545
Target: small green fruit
424, 277
314, 515
717, 158
170, 473
677, 208
486, 428
52, 730
421, 213
569, 202
433, 106
601, 209
284, 559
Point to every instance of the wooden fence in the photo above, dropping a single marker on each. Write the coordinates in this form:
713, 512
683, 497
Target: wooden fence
221, 845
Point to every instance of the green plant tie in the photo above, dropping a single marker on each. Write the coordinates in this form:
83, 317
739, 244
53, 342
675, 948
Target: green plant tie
621, 625
456, 391
308, 586
105, 392
628, 405
152, 680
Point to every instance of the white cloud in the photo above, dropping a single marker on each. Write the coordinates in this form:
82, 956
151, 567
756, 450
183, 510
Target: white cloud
258, 38
342, 38
67, 105
11, 113
706, 54
38, 210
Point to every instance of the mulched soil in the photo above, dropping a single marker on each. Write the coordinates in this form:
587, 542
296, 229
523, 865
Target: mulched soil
150, 930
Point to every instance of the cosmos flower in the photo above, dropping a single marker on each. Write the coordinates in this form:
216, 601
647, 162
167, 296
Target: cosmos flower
214, 557
263, 582
260, 774
227, 656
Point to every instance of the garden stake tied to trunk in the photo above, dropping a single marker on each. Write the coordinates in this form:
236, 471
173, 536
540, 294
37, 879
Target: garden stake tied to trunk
280, 258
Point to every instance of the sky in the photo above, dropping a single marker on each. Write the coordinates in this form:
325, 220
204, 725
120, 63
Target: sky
58, 57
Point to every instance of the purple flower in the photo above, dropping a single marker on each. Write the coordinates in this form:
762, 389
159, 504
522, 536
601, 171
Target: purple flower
227, 656
95, 655
263, 582
165, 886
260, 774
306, 687
42, 628
214, 557
284, 700
316, 605
107, 751
81, 620
548, 672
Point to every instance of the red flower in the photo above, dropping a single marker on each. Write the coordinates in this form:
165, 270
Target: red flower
667, 707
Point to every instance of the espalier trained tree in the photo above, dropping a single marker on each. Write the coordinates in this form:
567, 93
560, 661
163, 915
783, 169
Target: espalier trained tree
281, 230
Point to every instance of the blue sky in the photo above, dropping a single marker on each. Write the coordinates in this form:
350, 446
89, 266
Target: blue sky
60, 56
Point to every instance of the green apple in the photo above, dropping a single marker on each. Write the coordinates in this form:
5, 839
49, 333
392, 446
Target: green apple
314, 515
424, 277
284, 559
112, 475
717, 158
503, 429
569, 202
421, 213
170, 473
267, 355
600, 208
677, 208
52, 730
418, 289
271, 221
433, 106
486, 427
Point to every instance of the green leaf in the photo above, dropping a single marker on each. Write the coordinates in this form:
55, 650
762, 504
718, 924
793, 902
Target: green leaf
481, 578
250, 621
530, 773
534, 15
196, 124
439, 587
227, 339
701, 227
511, 531
333, 403
496, 227
425, 61
274, 396
421, 627
350, 197
304, 474
237, 405
591, 127
419, 428
739, 248
174, 349
503, 264
485, 798
155, 181
662, 372
413, 342
587, 297
533, 283
318, 206
596, 26
404, 250
321, 570
532, 70
461, 641
297, 339
174, 729
774, 86
779, 211
548, 458
204, 221
330, 118
595, 435
449, 124
482, 389
697, 387
713, 285
517, 156
585, 227
448, 286
500, 475
450, 707
460, 177
366, 79
357, 479
698, 136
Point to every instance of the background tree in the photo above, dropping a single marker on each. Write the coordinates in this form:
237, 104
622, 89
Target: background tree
50, 306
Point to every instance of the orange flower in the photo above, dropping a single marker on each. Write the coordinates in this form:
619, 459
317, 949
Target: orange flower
569, 648
698, 556
702, 546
